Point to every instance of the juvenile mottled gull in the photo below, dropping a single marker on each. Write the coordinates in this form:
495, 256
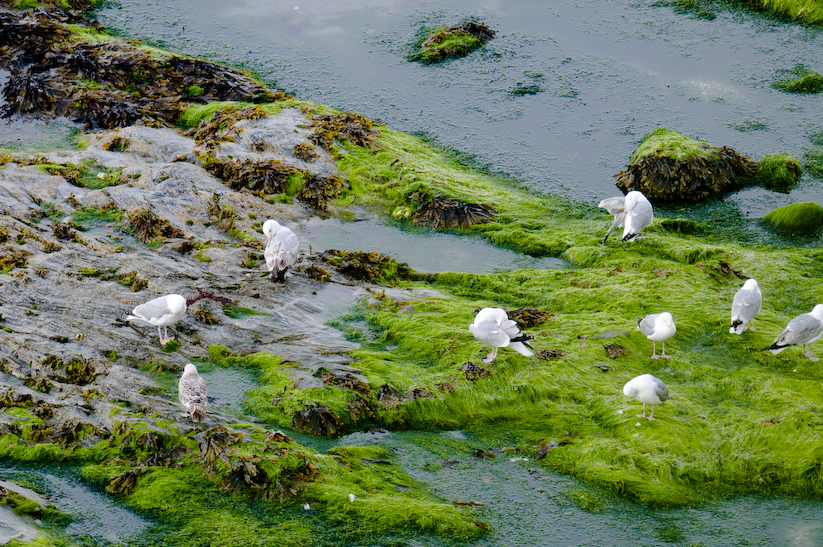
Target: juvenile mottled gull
192, 392
745, 306
804, 329
658, 327
648, 390
633, 212
161, 312
494, 328
281, 250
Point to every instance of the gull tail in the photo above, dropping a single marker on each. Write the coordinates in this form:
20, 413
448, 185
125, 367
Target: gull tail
520, 344
199, 414
774, 348
629, 237
737, 327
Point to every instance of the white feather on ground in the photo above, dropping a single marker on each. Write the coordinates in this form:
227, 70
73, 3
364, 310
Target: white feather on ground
192, 393
494, 328
163, 311
282, 250
805, 329
647, 389
658, 327
745, 306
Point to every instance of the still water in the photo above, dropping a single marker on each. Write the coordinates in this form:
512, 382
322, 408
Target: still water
609, 72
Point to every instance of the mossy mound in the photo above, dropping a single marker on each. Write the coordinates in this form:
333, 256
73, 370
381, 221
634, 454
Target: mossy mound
808, 11
801, 219
450, 41
779, 172
800, 80
669, 167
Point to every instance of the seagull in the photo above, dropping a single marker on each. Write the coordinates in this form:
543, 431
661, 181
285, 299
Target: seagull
648, 390
633, 212
161, 312
281, 250
658, 327
494, 328
806, 328
192, 392
745, 306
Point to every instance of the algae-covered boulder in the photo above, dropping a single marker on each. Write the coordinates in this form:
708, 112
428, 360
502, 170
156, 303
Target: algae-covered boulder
779, 172
450, 41
670, 167
799, 80
796, 219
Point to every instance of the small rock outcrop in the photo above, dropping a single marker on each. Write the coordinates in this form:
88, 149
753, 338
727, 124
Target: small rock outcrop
798, 219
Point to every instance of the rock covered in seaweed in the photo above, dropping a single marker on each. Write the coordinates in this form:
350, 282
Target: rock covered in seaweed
779, 172
669, 167
450, 41
800, 219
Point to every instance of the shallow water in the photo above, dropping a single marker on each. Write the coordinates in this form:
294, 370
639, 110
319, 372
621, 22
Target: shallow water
423, 249
610, 72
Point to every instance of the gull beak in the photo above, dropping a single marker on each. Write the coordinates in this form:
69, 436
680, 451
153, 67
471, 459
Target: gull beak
671, 326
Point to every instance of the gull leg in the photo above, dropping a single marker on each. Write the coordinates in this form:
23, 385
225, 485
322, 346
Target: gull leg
663, 355
168, 339
654, 356
490, 357
651, 416
644, 411
810, 355
160, 334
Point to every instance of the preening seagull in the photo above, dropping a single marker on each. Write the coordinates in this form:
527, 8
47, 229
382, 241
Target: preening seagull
281, 250
804, 329
633, 212
745, 306
494, 328
192, 392
648, 390
163, 311
658, 327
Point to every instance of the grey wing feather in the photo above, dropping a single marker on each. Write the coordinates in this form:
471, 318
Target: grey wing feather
746, 305
641, 216
153, 309
661, 390
612, 205
647, 324
490, 334
193, 393
800, 330
282, 251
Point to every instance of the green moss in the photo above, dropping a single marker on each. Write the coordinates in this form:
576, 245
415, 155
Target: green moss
88, 217
809, 11
779, 172
796, 219
695, 8
433, 45
238, 312
800, 80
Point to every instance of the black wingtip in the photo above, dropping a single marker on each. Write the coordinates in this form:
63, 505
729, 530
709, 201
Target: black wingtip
773, 346
628, 237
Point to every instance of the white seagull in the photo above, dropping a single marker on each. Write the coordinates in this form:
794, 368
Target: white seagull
804, 329
192, 392
494, 328
633, 212
161, 312
745, 306
648, 390
658, 327
281, 250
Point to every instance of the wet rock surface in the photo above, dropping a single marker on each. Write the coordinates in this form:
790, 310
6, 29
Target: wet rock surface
65, 344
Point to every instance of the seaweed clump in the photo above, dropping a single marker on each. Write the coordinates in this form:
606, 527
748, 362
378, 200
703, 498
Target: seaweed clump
366, 266
799, 80
106, 84
147, 226
317, 419
443, 212
318, 190
269, 176
450, 41
779, 172
801, 219
210, 133
355, 128
670, 167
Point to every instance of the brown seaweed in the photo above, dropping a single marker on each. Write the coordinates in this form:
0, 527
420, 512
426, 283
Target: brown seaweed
444, 212
317, 419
